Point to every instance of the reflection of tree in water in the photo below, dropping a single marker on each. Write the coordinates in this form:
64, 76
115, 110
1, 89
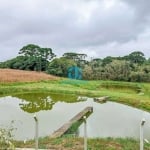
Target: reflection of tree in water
35, 102
35, 106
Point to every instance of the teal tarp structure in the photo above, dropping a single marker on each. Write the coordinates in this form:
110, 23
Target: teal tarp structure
75, 73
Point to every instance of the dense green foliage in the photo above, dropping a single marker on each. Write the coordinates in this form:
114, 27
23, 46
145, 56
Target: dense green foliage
32, 57
133, 67
59, 66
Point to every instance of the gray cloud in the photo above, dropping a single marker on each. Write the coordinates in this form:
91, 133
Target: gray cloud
81, 26
141, 7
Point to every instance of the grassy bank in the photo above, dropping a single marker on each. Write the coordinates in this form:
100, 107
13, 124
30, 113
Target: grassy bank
133, 94
71, 143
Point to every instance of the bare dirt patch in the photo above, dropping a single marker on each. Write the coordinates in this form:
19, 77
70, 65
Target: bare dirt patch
12, 75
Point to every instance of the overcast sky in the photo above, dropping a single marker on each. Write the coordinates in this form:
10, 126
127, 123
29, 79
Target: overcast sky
98, 28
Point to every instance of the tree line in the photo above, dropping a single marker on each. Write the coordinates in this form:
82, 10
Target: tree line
133, 67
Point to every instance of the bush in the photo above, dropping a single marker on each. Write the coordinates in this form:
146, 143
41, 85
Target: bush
139, 77
6, 138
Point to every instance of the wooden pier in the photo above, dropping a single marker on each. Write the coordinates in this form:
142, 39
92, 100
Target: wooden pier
85, 112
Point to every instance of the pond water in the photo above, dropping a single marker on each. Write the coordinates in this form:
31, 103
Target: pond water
107, 120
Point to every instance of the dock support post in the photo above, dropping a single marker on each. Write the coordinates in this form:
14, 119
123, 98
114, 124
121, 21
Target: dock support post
36, 132
141, 134
85, 133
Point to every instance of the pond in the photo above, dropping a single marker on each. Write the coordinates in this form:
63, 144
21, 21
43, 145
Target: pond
107, 120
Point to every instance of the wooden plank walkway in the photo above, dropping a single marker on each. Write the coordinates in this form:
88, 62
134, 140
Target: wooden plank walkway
66, 126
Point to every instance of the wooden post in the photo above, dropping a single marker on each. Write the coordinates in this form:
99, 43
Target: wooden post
85, 133
141, 134
36, 132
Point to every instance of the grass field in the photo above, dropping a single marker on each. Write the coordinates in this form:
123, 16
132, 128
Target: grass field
14, 82
9, 75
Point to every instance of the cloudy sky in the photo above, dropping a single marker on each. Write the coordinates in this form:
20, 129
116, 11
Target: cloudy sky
97, 27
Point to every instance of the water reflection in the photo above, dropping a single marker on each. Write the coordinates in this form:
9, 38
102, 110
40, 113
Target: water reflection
36, 106
35, 102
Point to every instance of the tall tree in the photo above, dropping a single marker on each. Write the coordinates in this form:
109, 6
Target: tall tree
136, 57
77, 57
41, 56
30, 50
107, 60
60, 66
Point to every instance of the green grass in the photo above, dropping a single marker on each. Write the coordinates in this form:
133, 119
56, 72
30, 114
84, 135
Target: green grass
133, 94
75, 143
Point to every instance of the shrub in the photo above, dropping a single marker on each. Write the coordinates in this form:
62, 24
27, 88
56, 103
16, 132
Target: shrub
6, 138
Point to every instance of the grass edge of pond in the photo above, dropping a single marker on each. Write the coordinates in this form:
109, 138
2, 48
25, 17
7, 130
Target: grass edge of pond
83, 88
67, 142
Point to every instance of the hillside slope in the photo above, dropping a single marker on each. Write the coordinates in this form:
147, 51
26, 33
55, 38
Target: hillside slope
12, 75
